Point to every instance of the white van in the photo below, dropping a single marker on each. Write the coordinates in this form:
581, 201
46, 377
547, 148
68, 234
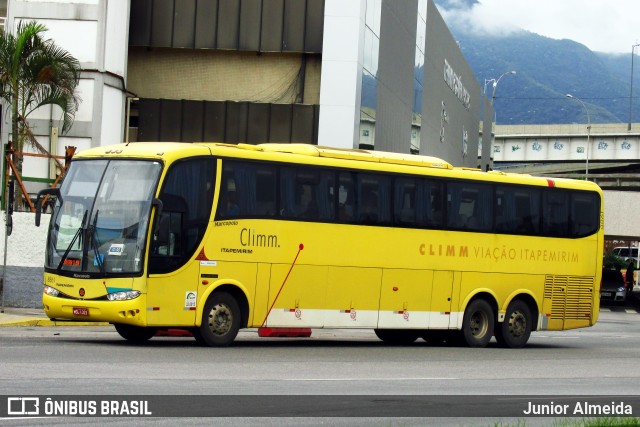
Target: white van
625, 252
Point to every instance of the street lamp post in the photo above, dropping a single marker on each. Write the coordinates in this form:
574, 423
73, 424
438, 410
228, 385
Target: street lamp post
493, 95
633, 46
586, 176
495, 84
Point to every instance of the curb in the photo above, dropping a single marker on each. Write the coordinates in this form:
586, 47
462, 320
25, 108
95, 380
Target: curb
48, 322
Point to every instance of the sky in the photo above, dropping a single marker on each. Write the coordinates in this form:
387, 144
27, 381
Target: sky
601, 25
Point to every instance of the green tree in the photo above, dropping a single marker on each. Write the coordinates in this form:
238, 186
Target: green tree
34, 72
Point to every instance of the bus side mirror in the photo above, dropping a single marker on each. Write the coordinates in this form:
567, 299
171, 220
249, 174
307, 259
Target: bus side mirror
41, 196
158, 204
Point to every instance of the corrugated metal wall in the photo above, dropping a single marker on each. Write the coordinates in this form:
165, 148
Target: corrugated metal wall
248, 25
226, 121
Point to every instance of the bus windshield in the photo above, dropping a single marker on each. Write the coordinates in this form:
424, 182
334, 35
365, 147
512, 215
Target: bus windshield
99, 223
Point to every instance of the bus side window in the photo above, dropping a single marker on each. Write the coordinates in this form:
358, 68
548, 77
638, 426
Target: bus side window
404, 209
429, 204
458, 206
555, 214
517, 210
228, 202
248, 190
307, 194
374, 199
585, 214
346, 197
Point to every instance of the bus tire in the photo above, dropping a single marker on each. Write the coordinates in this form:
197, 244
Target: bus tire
134, 333
220, 321
397, 336
478, 323
514, 332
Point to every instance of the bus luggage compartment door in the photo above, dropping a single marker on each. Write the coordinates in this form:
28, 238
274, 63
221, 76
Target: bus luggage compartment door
405, 298
442, 295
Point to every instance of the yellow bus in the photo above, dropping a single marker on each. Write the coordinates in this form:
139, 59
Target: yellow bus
212, 238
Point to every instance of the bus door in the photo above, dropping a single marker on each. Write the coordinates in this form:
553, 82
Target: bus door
172, 286
172, 297
174, 270
405, 299
442, 295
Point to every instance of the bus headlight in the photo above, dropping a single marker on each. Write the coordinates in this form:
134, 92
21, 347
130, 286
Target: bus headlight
51, 291
124, 295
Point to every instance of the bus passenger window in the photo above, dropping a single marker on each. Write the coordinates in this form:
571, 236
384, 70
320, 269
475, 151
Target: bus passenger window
404, 212
555, 214
307, 194
470, 206
517, 210
429, 204
346, 197
584, 214
249, 190
230, 206
265, 191
369, 208
374, 199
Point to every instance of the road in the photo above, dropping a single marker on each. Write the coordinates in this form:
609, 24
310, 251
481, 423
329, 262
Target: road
602, 360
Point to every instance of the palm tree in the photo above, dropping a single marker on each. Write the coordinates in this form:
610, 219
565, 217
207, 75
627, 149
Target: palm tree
34, 72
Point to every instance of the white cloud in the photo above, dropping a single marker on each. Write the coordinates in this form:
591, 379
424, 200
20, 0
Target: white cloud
601, 25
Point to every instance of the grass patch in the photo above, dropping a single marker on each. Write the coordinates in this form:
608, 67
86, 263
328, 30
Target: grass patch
586, 422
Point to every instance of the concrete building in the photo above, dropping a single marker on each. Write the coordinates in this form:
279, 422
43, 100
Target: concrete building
379, 74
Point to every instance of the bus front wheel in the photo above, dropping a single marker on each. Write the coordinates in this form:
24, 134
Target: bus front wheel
514, 332
134, 333
220, 321
477, 323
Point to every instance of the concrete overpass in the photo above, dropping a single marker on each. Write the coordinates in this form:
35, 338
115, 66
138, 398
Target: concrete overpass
613, 162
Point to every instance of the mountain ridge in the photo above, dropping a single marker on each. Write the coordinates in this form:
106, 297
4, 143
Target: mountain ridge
546, 70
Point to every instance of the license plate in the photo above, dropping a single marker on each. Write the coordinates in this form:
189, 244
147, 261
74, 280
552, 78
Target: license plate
80, 311
605, 294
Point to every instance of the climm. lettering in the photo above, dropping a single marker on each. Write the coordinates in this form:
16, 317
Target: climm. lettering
249, 237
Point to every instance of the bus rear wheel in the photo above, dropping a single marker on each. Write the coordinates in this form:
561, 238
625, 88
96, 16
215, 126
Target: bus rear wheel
134, 333
220, 321
514, 332
397, 336
478, 323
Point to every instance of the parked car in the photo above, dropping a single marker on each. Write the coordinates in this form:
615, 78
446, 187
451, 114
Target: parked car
613, 288
626, 252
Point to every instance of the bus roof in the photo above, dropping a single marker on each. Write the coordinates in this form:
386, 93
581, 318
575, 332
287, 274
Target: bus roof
162, 150
351, 154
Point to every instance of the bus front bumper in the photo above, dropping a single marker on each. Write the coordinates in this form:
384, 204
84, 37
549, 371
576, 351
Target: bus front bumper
130, 312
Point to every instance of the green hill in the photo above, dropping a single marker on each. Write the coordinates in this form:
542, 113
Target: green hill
546, 70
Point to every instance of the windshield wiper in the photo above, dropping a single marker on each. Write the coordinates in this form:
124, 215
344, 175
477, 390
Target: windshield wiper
76, 236
95, 244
